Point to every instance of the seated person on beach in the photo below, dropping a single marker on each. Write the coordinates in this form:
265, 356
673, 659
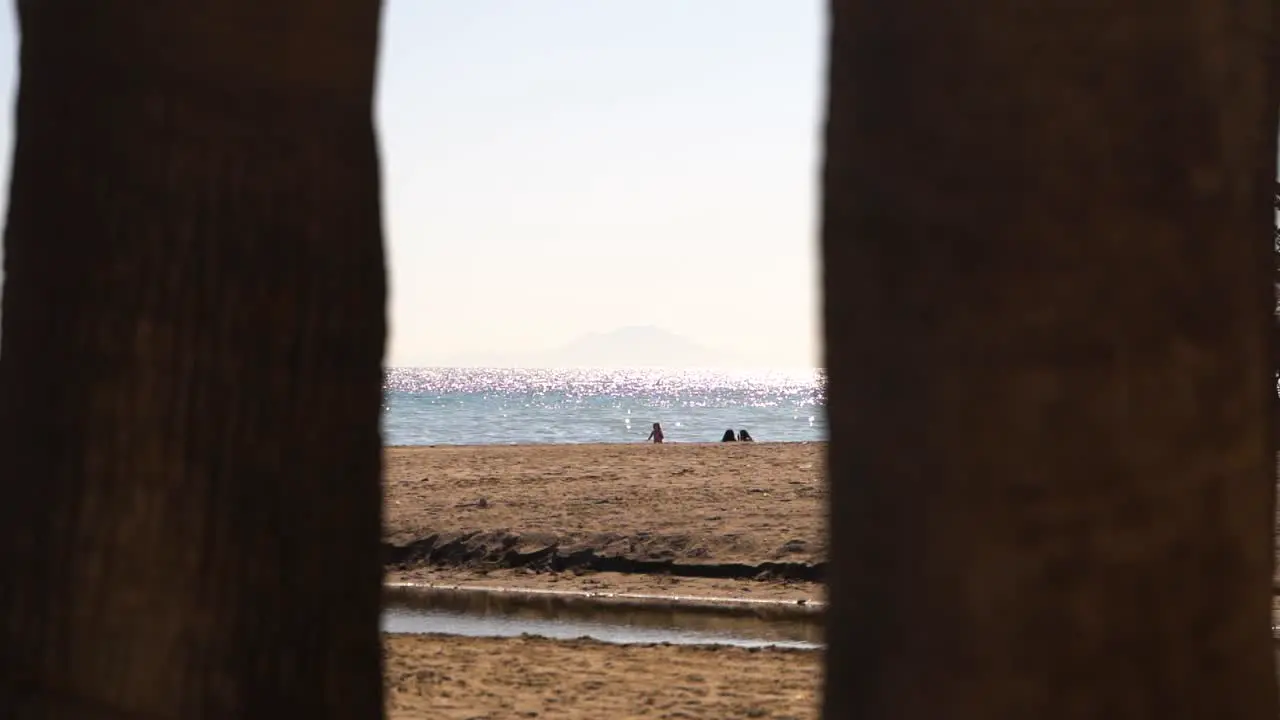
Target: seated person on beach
728, 436
743, 436
656, 435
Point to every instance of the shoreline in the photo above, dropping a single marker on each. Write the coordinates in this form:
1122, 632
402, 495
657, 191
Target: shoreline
605, 444
409, 592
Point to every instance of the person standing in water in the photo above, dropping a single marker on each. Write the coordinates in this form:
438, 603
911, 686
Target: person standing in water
656, 435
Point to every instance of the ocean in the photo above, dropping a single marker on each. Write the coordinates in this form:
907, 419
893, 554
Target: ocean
477, 406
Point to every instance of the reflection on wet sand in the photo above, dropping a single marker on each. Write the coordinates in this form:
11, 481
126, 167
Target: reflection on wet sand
481, 614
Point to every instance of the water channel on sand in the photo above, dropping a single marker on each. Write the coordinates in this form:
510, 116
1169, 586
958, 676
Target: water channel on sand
488, 614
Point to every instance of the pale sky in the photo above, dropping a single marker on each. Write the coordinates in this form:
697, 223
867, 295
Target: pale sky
557, 167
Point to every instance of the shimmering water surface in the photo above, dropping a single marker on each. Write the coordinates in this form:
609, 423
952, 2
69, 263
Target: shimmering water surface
402, 620
563, 617
465, 406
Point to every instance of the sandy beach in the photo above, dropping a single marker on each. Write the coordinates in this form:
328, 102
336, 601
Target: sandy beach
611, 582
716, 520
452, 678
690, 518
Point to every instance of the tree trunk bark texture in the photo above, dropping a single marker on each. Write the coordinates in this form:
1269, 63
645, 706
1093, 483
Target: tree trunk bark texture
190, 383
1048, 307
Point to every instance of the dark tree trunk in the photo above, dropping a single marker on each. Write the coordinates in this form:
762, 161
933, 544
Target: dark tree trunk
1275, 375
1048, 307
191, 373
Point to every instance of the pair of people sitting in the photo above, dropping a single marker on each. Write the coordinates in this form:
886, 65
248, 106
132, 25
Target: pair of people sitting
743, 436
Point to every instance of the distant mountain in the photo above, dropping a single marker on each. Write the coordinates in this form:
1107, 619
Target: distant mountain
635, 346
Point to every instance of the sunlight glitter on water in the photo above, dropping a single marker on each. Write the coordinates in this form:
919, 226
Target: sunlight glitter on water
480, 405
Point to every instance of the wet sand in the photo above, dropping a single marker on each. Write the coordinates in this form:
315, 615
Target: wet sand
453, 678
746, 512
609, 582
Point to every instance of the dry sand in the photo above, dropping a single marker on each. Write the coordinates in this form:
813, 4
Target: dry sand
458, 514
730, 502
452, 678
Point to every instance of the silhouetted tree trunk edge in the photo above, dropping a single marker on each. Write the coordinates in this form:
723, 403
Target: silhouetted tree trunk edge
1048, 331
191, 381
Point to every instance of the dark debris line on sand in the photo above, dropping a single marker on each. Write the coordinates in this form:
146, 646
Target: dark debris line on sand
501, 550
